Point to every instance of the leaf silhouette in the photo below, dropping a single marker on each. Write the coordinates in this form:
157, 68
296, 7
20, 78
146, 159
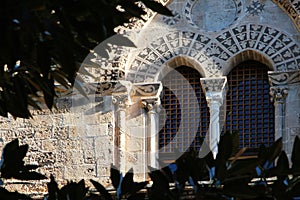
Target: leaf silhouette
127, 182
13, 165
6, 195
115, 177
52, 189
157, 7
101, 189
295, 156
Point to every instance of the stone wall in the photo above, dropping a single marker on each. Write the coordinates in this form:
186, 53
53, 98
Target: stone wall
69, 145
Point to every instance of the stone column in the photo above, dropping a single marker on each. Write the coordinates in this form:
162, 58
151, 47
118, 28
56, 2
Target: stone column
285, 94
148, 95
278, 96
152, 108
215, 90
121, 104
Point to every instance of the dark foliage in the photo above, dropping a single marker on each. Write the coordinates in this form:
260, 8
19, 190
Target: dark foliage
45, 41
224, 177
13, 166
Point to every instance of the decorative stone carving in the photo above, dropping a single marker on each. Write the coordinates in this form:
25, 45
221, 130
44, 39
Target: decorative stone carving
284, 78
214, 84
173, 20
213, 53
144, 91
151, 105
255, 8
278, 94
215, 90
291, 7
148, 96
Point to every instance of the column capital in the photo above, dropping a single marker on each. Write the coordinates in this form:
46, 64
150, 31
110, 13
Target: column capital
215, 89
151, 105
278, 94
148, 94
121, 101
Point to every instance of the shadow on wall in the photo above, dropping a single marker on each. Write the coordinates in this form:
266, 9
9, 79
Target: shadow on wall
230, 176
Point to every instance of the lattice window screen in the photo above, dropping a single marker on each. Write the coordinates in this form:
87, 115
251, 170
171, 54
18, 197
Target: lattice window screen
173, 110
249, 109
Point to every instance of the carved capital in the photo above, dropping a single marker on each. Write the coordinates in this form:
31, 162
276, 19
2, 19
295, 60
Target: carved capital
214, 84
215, 90
151, 105
148, 94
278, 94
120, 101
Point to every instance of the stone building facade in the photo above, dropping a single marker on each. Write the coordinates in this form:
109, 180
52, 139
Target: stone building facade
119, 122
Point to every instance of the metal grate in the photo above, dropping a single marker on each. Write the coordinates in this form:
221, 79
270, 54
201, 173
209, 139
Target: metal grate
249, 109
176, 97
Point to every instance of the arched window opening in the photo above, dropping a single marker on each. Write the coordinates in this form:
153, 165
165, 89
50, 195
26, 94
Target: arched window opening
175, 93
249, 109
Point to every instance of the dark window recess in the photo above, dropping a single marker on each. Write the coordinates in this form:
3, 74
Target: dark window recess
249, 109
175, 97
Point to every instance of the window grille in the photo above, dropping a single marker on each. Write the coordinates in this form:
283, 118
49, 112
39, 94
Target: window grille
249, 109
174, 118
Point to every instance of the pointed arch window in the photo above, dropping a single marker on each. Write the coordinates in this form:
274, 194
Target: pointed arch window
249, 109
174, 98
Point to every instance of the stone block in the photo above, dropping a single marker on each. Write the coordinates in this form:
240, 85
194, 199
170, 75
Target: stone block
69, 157
103, 171
105, 118
68, 144
104, 157
88, 143
41, 120
137, 132
86, 171
56, 171
76, 132
89, 156
135, 144
34, 144
43, 132
103, 143
50, 145
58, 120
60, 132
97, 130
45, 158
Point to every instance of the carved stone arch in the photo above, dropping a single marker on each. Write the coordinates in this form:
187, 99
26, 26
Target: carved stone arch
244, 56
177, 62
280, 49
149, 61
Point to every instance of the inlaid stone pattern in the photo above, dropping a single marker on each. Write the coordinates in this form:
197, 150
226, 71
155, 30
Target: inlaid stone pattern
296, 4
255, 8
213, 53
173, 20
292, 8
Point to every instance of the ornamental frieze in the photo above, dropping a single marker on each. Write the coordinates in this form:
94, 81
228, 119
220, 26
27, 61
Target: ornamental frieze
284, 78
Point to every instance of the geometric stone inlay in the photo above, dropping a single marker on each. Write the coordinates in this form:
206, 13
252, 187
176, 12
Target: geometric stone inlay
213, 53
255, 8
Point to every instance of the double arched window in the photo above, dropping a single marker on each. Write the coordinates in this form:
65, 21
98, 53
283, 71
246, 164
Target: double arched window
249, 110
